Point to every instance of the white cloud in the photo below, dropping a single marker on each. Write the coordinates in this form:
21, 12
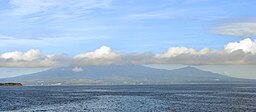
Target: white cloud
247, 45
31, 58
244, 46
241, 29
19, 56
243, 52
103, 55
103, 52
77, 69
176, 51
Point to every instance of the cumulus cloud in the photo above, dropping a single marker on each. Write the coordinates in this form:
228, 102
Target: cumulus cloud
247, 45
26, 56
176, 51
31, 58
103, 52
103, 55
240, 29
242, 52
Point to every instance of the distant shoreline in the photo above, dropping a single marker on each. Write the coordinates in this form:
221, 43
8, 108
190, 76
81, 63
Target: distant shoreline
146, 84
11, 84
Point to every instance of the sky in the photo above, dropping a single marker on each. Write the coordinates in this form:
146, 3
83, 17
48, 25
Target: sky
50, 33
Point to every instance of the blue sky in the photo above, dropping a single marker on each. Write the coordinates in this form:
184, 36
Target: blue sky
75, 26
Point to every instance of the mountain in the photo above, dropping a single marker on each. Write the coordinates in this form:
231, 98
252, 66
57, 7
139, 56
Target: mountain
122, 74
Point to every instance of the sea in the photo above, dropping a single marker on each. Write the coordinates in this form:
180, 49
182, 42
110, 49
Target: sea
130, 98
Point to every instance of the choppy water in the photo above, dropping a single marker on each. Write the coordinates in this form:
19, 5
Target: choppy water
187, 97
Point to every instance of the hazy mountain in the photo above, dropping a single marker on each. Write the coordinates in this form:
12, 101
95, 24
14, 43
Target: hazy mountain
122, 74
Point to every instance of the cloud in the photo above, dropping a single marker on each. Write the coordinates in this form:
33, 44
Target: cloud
103, 55
103, 52
137, 58
210, 58
7, 41
234, 53
176, 51
57, 7
247, 45
6, 38
32, 54
240, 29
243, 52
23, 7
31, 58
167, 13
77, 69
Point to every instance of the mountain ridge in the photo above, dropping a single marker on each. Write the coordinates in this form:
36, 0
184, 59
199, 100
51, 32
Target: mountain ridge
123, 74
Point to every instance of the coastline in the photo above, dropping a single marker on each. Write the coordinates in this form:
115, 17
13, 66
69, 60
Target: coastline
11, 84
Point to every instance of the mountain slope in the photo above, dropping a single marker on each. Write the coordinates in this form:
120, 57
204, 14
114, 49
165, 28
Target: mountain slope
123, 74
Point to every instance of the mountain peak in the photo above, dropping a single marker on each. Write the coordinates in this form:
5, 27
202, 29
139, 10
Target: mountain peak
189, 68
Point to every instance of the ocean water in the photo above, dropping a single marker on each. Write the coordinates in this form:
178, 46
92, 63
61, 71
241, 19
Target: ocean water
134, 98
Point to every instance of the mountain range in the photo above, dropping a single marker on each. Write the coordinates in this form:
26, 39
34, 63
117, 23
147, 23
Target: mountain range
122, 74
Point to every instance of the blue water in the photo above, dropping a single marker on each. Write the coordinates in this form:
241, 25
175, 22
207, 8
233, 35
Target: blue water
166, 98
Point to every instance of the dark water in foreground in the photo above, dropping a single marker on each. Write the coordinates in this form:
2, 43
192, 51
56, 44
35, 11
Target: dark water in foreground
187, 97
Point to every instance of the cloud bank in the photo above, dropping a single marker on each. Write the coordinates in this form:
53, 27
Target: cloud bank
31, 58
239, 29
242, 52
